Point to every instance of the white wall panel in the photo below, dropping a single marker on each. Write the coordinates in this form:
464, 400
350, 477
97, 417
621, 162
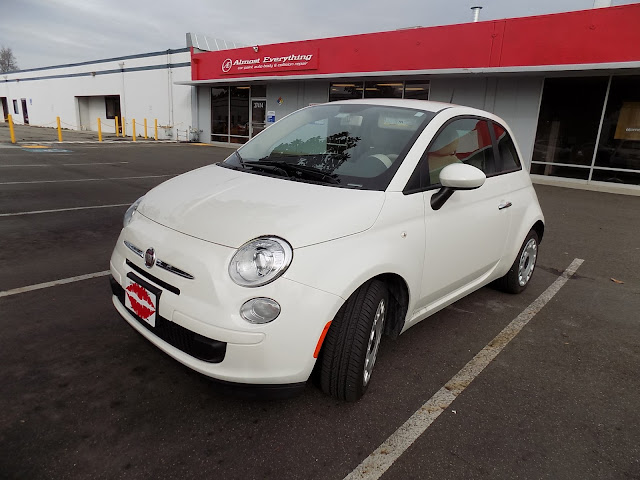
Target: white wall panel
288, 93
204, 113
182, 117
295, 95
315, 92
144, 93
517, 101
461, 91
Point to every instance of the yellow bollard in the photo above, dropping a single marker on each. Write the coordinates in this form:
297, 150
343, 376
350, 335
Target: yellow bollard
133, 123
155, 128
11, 131
59, 129
117, 127
99, 130
124, 127
145, 129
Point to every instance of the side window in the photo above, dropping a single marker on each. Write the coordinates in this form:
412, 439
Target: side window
509, 160
462, 141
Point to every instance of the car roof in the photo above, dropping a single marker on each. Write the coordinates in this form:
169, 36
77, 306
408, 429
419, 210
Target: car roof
426, 105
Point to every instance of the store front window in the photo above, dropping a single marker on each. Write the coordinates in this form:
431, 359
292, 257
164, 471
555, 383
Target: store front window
417, 89
571, 113
345, 91
220, 114
568, 126
384, 89
619, 147
230, 113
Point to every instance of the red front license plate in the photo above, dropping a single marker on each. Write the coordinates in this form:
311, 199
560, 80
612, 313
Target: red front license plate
141, 301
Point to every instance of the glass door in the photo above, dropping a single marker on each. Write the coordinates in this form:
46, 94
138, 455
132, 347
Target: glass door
258, 115
235, 114
25, 114
5, 108
239, 114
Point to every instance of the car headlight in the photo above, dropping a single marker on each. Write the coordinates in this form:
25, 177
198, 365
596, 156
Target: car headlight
260, 261
128, 215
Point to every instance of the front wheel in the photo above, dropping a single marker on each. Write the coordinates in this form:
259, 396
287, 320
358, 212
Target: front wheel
520, 273
351, 346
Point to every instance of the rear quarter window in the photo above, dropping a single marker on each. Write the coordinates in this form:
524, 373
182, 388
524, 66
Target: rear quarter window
508, 160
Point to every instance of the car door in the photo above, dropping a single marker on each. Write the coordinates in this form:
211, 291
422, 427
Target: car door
466, 237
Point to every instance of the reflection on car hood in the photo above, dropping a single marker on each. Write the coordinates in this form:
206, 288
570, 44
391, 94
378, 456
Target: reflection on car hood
230, 207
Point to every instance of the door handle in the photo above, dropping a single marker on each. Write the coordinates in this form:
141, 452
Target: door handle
504, 205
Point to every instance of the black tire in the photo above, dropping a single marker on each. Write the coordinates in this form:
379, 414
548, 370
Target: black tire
347, 344
512, 282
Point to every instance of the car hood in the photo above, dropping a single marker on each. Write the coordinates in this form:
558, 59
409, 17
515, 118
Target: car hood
230, 207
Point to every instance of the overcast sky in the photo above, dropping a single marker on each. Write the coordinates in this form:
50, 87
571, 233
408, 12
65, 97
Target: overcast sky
52, 32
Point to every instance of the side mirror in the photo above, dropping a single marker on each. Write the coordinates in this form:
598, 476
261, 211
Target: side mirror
457, 176
461, 176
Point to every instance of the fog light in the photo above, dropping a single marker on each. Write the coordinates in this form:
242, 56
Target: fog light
260, 310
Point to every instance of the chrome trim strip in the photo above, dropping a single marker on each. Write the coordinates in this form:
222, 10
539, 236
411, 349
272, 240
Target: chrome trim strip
174, 270
159, 263
134, 249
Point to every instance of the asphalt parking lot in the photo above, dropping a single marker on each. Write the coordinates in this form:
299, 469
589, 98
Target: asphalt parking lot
84, 396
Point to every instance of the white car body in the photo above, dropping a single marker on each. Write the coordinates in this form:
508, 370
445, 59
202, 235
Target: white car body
340, 237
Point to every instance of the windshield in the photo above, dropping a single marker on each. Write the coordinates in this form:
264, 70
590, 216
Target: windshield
345, 145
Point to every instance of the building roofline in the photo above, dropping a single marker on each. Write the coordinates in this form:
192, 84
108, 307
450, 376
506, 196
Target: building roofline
103, 60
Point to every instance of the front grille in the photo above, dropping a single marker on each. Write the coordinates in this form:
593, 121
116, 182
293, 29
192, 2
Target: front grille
191, 343
159, 263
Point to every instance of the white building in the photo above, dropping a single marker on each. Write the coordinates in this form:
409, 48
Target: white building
134, 87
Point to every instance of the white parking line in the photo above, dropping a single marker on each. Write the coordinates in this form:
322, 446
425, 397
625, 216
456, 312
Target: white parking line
35, 212
376, 464
39, 286
87, 179
62, 164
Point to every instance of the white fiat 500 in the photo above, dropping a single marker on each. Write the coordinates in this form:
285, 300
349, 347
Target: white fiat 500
338, 224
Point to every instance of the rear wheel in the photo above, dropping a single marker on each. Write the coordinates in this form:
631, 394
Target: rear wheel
351, 347
520, 273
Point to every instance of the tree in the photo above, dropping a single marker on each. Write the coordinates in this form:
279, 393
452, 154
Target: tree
8, 62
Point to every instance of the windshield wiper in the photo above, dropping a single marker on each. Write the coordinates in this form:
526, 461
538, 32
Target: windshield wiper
228, 163
298, 169
266, 167
240, 160
242, 165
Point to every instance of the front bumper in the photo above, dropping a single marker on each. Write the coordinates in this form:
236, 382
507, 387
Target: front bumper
206, 349
199, 323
